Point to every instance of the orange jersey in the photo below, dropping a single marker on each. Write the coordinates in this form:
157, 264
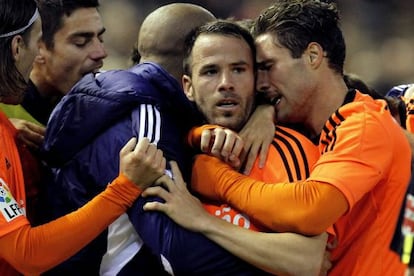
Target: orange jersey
357, 185
290, 158
12, 193
349, 145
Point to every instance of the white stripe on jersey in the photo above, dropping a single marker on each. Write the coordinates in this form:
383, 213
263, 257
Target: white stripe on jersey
123, 244
123, 240
150, 123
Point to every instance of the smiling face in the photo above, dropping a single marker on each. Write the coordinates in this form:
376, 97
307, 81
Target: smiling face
284, 78
222, 79
78, 49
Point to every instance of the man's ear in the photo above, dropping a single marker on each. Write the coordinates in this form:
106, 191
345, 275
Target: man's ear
41, 56
16, 45
315, 53
188, 87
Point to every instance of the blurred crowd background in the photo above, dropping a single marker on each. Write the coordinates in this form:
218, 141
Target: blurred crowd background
379, 34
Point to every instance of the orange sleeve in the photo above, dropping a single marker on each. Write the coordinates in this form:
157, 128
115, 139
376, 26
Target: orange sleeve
194, 136
306, 207
33, 250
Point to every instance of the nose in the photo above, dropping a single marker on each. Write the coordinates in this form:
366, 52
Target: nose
98, 52
226, 81
262, 82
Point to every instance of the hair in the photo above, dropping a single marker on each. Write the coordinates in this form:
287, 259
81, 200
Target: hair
13, 16
53, 13
221, 27
396, 105
296, 23
354, 81
247, 23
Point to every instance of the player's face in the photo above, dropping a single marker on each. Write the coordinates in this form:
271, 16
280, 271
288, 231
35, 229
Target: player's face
222, 81
78, 49
284, 78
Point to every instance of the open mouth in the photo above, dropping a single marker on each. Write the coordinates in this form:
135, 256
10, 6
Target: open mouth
227, 103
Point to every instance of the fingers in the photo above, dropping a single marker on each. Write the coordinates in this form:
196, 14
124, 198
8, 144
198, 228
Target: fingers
31, 142
141, 162
129, 146
165, 181
172, 184
206, 140
40, 130
154, 206
144, 147
178, 178
237, 149
157, 191
256, 150
263, 154
223, 143
251, 158
29, 133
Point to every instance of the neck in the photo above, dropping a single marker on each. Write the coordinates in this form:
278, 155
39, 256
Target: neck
327, 99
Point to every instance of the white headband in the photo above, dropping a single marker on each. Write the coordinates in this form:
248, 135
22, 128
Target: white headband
33, 19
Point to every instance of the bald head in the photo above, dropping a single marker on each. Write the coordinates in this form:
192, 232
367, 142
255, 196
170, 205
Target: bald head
162, 34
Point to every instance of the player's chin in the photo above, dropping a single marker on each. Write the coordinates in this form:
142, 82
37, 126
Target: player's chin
233, 122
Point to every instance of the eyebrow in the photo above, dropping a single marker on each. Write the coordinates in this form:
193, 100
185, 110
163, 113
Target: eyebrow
87, 34
214, 65
238, 63
263, 62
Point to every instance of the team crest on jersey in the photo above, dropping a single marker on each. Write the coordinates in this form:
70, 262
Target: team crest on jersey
8, 205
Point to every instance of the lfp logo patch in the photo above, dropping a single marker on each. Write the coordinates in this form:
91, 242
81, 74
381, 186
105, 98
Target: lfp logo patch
8, 205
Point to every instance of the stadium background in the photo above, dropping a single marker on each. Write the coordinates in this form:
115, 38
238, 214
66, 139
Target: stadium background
379, 34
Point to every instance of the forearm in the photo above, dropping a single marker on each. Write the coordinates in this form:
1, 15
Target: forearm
277, 253
304, 207
47, 245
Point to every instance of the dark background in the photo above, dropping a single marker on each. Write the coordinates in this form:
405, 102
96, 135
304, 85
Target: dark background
379, 34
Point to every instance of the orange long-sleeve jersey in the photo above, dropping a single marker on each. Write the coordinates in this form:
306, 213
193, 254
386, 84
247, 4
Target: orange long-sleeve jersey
290, 158
357, 184
33, 250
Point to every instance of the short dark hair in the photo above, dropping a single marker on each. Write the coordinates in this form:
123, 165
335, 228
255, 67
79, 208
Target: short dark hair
52, 13
222, 27
296, 23
13, 16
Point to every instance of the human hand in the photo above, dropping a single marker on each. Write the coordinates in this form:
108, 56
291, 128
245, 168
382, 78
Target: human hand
141, 162
257, 135
222, 143
29, 133
180, 205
